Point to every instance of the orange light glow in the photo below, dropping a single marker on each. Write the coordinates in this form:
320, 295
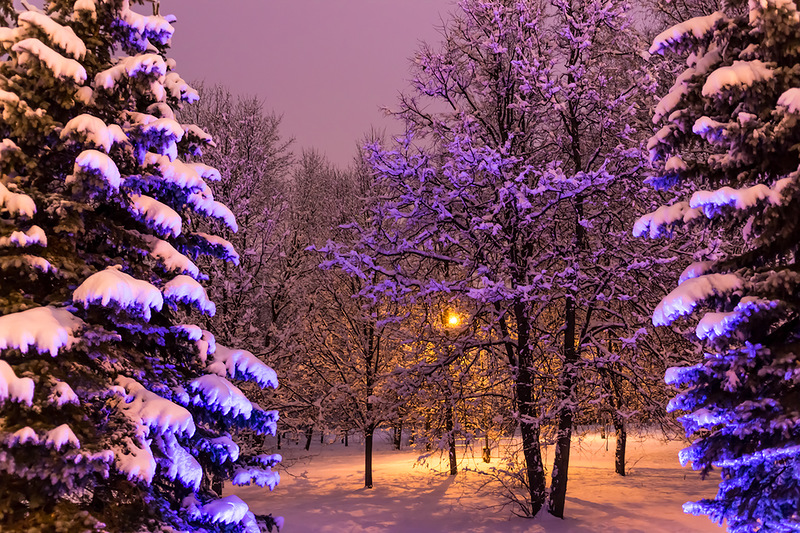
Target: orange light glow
453, 319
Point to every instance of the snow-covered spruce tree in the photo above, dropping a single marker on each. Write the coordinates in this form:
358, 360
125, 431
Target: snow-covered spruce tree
112, 415
731, 131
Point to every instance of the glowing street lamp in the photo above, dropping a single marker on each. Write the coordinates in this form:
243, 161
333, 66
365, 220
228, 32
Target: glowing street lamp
453, 319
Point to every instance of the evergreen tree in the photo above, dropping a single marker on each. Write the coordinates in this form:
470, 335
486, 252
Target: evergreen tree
112, 415
729, 146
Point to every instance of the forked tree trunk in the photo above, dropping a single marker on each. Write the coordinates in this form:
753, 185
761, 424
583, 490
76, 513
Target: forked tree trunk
526, 406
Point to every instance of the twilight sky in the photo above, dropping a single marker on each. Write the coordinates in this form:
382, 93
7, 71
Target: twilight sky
326, 65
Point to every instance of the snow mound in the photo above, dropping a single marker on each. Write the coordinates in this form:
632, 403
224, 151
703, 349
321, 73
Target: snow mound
219, 394
235, 363
14, 388
151, 411
156, 214
60, 66
187, 290
47, 329
114, 285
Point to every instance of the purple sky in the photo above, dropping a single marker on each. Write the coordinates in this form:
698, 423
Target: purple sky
326, 65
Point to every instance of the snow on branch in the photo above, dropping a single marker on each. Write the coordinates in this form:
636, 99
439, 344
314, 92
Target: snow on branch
62, 394
686, 296
148, 410
219, 245
697, 27
114, 285
34, 236
715, 325
92, 161
739, 198
157, 214
148, 26
14, 388
46, 329
185, 289
176, 172
61, 436
60, 66
263, 477
241, 364
172, 259
136, 461
203, 202
654, 224
16, 203
62, 36
131, 66
740, 74
219, 394
790, 99
91, 129
229, 510
178, 463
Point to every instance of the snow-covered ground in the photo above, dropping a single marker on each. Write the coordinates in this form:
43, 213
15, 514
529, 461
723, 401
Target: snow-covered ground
321, 491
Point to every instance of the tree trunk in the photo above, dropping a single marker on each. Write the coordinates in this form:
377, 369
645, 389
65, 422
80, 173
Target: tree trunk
346, 435
322, 437
368, 456
309, 435
428, 433
558, 487
528, 413
279, 439
451, 440
622, 438
398, 435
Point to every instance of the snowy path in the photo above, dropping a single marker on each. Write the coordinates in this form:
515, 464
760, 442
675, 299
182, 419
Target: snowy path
321, 492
